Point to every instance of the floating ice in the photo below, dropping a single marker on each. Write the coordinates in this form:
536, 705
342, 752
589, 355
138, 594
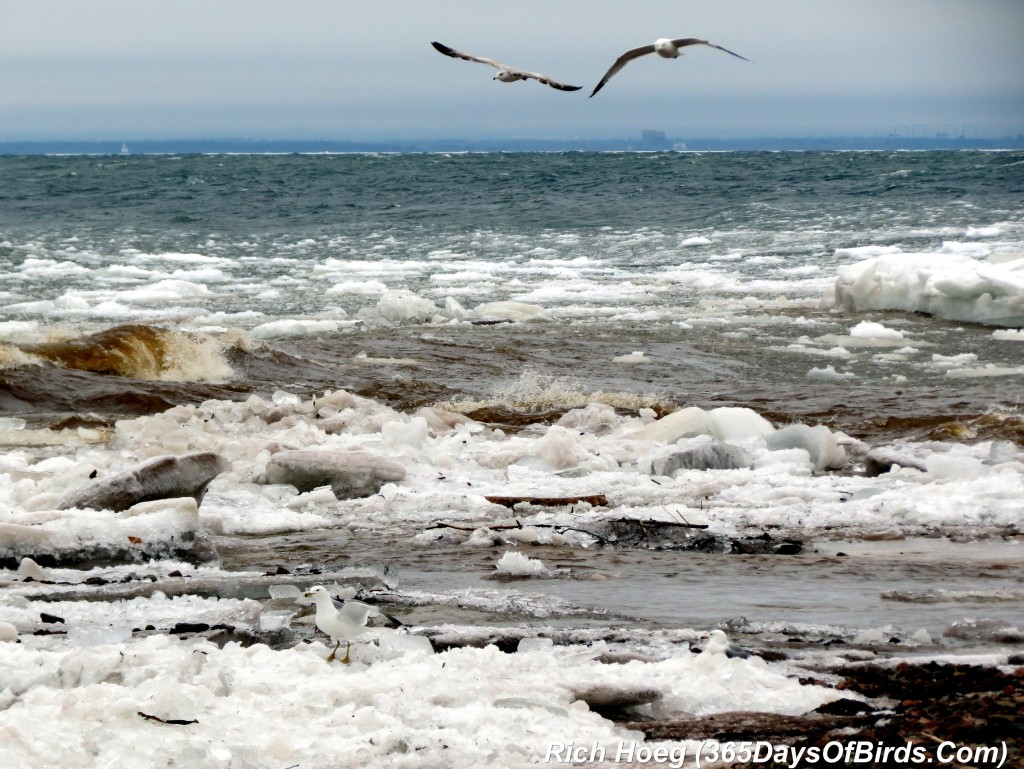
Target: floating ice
637, 356
829, 374
289, 329
515, 564
950, 285
870, 330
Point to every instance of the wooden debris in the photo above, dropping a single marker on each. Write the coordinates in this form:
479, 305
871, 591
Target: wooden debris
171, 721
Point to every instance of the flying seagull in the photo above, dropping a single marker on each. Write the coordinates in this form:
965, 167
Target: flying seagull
505, 74
668, 49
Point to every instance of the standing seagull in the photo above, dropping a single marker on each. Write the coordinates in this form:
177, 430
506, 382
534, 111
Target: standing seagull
344, 623
505, 74
668, 49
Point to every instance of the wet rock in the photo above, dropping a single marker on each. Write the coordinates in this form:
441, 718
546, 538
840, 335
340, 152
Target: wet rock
743, 726
350, 474
189, 627
713, 455
610, 699
669, 535
162, 478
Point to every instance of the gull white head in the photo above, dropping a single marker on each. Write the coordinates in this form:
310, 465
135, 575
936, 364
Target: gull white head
318, 593
666, 48
508, 76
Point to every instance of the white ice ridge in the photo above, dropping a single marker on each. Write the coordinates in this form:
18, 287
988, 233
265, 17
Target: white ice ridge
729, 467
160, 700
954, 286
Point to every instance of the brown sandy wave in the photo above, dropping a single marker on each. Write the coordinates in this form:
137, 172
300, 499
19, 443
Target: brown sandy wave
141, 352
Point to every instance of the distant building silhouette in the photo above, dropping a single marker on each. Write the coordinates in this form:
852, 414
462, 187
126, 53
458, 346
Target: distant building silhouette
654, 140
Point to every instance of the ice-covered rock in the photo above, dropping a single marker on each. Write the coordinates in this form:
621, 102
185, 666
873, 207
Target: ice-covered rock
158, 529
817, 441
350, 474
705, 455
161, 478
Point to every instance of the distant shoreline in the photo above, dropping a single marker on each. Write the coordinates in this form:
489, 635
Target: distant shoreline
659, 144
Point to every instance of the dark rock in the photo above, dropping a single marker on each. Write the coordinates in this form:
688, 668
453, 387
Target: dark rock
50, 619
189, 627
607, 699
844, 707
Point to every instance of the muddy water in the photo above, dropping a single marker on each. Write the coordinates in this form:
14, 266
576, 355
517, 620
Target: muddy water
909, 584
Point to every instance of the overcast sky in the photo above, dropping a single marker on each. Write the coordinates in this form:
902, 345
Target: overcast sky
353, 69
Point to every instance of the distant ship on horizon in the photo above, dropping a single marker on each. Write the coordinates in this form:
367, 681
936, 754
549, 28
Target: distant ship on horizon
125, 150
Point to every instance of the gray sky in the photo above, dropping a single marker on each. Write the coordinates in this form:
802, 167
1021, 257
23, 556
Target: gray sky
320, 69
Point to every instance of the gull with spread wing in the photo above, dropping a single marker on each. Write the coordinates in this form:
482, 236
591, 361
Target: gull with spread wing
668, 49
505, 74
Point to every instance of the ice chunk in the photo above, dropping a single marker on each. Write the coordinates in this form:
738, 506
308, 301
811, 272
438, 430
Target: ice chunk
818, 441
412, 433
730, 423
284, 591
396, 644
515, 564
867, 329
508, 310
635, 357
403, 306
955, 466
955, 286
98, 635
8, 633
534, 644
679, 424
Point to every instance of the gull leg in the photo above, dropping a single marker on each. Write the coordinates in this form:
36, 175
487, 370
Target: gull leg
348, 645
331, 655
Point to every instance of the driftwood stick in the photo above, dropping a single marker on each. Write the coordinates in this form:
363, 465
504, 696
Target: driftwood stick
497, 526
171, 721
594, 500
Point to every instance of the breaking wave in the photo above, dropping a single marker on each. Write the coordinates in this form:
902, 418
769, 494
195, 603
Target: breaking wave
141, 352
